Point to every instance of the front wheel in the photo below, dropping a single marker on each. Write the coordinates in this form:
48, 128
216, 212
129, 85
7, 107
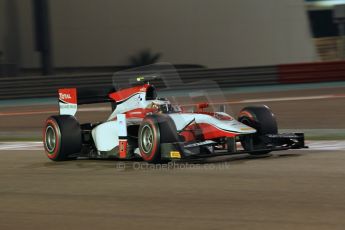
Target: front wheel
62, 137
263, 120
154, 130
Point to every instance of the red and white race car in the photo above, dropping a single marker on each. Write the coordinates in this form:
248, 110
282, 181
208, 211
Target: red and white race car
142, 125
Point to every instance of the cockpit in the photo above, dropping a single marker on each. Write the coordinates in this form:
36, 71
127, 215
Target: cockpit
162, 105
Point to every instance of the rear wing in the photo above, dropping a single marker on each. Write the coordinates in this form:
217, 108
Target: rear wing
70, 98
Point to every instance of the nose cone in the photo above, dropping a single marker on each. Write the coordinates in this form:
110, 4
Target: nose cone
244, 129
239, 127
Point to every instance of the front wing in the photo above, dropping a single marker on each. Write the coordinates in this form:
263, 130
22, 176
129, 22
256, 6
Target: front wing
208, 148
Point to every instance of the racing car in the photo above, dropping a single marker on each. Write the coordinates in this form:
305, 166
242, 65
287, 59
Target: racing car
145, 126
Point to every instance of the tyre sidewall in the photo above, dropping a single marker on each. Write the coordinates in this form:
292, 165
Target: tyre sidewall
55, 153
68, 137
153, 155
263, 120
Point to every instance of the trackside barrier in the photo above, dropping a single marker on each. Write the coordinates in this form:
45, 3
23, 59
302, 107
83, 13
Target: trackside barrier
312, 72
46, 86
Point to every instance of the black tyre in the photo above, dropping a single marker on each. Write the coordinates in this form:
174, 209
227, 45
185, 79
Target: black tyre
154, 130
62, 137
113, 106
263, 120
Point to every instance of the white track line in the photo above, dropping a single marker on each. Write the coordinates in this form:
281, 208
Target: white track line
326, 145
21, 146
292, 98
29, 146
279, 99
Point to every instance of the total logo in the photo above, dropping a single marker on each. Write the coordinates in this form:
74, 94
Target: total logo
64, 96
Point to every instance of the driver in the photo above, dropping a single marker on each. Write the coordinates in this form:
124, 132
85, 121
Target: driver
161, 107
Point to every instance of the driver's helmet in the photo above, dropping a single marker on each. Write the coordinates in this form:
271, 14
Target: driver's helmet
162, 107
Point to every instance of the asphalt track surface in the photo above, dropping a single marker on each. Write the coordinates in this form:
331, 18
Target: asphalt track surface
295, 189
300, 189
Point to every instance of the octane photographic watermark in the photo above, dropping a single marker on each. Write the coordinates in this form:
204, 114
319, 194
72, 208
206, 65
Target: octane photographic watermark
138, 166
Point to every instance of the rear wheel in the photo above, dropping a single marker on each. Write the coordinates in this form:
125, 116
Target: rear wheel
263, 120
62, 137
